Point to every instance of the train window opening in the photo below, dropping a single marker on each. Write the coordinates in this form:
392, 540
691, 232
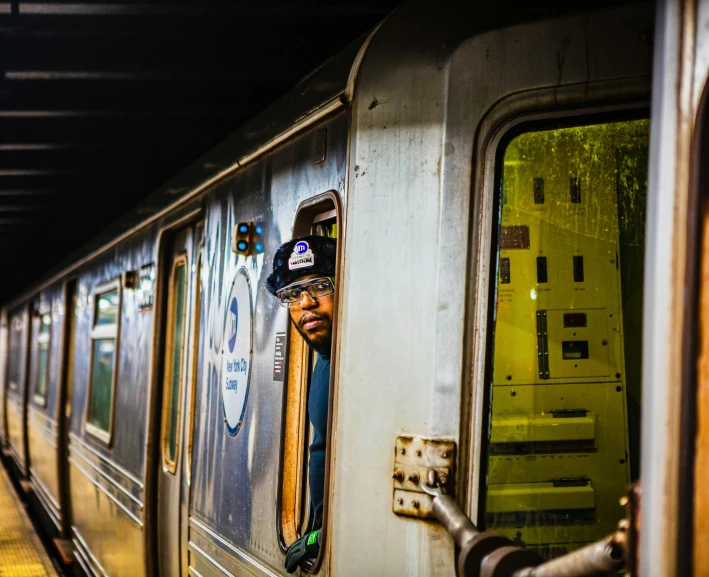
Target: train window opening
14, 361
568, 324
174, 361
102, 372
304, 477
43, 342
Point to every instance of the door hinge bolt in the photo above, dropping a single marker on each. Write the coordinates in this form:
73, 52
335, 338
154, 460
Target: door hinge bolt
398, 475
443, 479
415, 504
414, 478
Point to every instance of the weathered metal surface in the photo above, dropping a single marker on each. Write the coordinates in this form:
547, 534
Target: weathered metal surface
430, 107
417, 462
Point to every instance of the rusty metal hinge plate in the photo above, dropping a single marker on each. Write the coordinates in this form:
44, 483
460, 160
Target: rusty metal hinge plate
417, 461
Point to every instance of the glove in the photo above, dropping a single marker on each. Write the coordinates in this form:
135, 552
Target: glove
307, 547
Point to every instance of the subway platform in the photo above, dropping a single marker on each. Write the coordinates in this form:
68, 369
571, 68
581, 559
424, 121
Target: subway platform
21, 551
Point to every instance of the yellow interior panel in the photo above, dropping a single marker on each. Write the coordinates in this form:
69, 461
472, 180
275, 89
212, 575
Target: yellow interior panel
572, 208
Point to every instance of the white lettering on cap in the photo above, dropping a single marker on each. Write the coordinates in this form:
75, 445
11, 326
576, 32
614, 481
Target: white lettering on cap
301, 257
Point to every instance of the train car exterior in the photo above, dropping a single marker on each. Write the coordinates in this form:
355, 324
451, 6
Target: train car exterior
485, 176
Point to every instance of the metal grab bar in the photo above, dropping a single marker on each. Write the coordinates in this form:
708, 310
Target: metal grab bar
487, 554
599, 558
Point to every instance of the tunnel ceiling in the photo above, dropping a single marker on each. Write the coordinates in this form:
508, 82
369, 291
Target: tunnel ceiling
100, 103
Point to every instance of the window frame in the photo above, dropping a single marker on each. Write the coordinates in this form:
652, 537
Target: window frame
292, 493
167, 465
104, 332
40, 339
193, 375
486, 274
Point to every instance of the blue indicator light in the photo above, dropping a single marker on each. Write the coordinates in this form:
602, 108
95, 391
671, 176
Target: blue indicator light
259, 229
242, 245
259, 247
243, 228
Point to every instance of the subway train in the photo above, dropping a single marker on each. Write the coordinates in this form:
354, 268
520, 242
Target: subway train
518, 196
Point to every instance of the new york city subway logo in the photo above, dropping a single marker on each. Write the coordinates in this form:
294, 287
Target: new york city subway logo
301, 256
236, 352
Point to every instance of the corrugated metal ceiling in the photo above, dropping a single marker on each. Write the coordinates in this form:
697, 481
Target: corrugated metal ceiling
100, 103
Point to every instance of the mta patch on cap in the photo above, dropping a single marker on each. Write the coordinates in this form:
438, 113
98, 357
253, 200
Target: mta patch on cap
300, 257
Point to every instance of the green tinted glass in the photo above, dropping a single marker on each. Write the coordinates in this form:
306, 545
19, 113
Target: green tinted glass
107, 308
564, 422
42, 370
175, 358
102, 383
41, 383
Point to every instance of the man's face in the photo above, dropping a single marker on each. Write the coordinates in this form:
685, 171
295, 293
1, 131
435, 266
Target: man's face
314, 320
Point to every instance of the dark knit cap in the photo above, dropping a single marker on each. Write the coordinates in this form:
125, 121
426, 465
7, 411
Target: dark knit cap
300, 257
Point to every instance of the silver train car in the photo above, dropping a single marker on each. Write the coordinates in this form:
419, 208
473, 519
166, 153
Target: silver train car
518, 200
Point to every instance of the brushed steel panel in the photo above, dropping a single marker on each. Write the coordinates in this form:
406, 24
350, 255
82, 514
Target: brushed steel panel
131, 504
15, 429
208, 549
110, 538
235, 479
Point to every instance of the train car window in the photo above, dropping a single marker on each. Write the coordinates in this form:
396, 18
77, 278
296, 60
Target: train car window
563, 440
303, 504
174, 358
14, 361
197, 318
42, 374
102, 379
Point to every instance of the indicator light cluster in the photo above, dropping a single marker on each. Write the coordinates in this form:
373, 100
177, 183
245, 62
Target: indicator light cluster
248, 238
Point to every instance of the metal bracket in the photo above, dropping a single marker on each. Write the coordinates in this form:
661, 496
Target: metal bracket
419, 462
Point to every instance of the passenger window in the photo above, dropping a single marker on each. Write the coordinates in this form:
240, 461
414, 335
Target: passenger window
42, 376
563, 440
16, 339
102, 380
174, 357
298, 515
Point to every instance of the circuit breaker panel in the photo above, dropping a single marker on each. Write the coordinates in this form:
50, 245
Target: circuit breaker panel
558, 441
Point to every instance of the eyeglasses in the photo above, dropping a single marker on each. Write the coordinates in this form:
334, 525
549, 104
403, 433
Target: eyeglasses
316, 288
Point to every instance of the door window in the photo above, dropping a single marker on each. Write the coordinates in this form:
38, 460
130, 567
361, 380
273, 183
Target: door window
16, 340
42, 376
174, 358
104, 339
563, 440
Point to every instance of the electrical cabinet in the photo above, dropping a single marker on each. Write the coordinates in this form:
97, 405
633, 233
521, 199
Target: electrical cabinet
558, 453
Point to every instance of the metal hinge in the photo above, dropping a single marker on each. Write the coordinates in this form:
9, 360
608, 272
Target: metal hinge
420, 461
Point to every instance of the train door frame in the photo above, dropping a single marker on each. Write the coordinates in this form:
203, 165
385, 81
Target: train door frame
63, 412
154, 460
504, 118
693, 506
190, 389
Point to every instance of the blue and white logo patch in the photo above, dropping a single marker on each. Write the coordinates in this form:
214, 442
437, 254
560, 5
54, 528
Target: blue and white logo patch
301, 257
